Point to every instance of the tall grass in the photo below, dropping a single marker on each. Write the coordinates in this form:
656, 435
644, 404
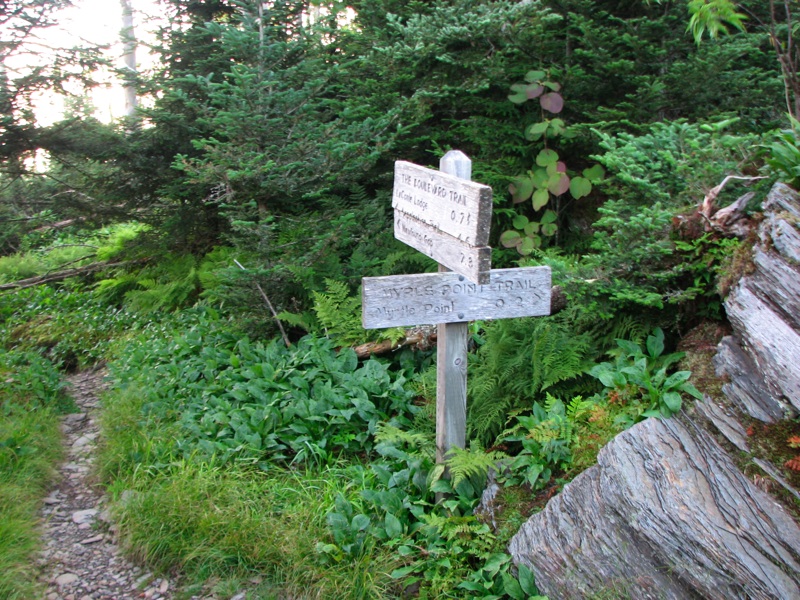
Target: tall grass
31, 397
226, 522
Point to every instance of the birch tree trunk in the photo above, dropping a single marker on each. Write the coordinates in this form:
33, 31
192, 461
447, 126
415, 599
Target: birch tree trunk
128, 36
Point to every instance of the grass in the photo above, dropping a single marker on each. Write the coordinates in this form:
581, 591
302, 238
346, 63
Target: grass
30, 444
244, 523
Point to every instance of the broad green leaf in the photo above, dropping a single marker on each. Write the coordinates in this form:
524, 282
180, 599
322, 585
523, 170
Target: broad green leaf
394, 529
539, 177
549, 216
403, 571
519, 93
531, 228
677, 378
528, 245
595, 173
546, 157
655, 343
540, 199
526, 580
691, 390
521, 189
360, 522
533, 76
512, 587
510, 238
537, 130
495, 562
580, 187
555, 86
672, 400
520, 221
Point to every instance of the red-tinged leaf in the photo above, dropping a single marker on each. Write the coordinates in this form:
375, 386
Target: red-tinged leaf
558, 184
534, 91
561, 166
528, 245
552, 102
521, 189
549, 229
540, 198
510, 239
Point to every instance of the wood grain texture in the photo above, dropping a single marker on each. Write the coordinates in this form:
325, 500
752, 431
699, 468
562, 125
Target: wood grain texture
451, 388
457, 207
433, 298
473, 262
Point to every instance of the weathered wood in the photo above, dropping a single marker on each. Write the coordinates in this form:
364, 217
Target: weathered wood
432, 298
473, 262
61, 275
451, 350
457, 207
451, 388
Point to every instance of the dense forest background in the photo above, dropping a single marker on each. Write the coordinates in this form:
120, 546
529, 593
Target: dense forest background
250, 191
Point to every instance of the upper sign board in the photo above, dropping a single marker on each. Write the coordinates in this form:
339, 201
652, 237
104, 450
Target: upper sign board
433, 298
457, 207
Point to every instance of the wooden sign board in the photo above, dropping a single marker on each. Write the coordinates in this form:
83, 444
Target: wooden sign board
458, 207
433, 298
474, 262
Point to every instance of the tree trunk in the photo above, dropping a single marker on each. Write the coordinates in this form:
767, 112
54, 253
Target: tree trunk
128, 36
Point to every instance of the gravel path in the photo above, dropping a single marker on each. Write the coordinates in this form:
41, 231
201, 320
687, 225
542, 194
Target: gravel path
81, 560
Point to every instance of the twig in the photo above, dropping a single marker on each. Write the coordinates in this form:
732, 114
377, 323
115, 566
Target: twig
269, 305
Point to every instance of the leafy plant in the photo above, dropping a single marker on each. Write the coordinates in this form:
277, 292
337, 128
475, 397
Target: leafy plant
547, 436
549, 175
642, 374
783, 153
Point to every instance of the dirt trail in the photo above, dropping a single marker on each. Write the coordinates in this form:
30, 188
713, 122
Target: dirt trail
81, 560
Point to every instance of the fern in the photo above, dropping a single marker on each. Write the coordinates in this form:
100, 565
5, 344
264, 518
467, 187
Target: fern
473, 464
520, 360
339, 313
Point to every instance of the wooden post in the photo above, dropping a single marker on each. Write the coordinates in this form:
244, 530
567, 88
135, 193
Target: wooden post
451, 352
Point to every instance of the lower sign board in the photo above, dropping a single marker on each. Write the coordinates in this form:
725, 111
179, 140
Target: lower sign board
433, 298
473, 262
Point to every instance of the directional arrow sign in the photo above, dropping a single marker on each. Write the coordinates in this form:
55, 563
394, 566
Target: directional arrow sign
432, 298
458, 207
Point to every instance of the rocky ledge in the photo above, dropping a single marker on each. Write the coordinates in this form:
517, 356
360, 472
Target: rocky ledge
666, 512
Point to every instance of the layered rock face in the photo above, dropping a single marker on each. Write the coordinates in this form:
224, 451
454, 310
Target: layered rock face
666, 513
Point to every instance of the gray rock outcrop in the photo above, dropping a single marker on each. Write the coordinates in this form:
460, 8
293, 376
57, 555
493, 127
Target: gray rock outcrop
666, 513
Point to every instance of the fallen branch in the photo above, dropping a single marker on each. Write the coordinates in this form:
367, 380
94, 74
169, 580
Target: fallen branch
61, 275
421, 338
271, 308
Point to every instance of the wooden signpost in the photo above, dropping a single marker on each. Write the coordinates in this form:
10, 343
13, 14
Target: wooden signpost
447, 217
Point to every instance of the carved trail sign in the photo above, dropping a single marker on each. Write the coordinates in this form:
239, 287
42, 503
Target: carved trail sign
447, 217
433, 298
457, 207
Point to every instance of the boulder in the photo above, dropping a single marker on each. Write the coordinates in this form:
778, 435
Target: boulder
665, 514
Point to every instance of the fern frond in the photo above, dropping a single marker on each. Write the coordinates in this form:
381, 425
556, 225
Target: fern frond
471, 464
